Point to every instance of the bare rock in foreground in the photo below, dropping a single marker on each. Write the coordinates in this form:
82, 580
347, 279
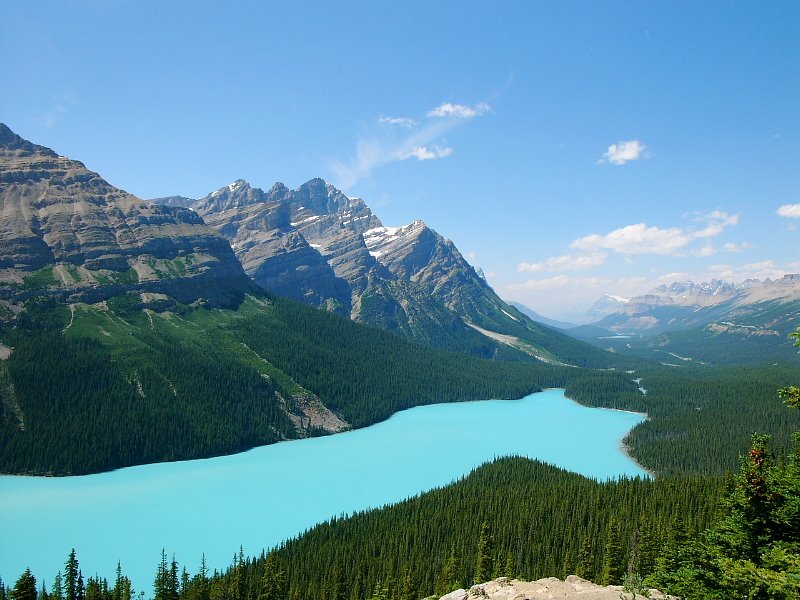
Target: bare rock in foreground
551, 587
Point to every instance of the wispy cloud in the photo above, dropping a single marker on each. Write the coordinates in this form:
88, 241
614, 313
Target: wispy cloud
624, 151
61, 104
558, 282
405, 138
569, 262
733, 247
790, 211
399, 121
716, 221
424, 153
459, 111
641, 239
759, 270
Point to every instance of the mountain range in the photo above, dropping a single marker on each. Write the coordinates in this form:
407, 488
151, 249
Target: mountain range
132, 332
717, 321
317, 246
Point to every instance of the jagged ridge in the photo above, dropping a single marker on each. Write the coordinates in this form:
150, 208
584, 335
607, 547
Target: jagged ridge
318, 246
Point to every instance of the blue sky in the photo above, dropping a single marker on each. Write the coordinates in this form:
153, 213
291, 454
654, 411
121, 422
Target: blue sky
569, 149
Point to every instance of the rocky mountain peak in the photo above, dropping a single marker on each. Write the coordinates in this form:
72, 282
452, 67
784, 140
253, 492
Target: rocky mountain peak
320, 198
715, 287
234, 195
278, 192
11, 141
318, 246
605, 306
67, 232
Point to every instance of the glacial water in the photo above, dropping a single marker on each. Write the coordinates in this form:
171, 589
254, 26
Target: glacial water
258, 498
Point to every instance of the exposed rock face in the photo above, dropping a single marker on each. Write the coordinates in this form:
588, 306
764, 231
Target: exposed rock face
66, 231
318, 246
573, 588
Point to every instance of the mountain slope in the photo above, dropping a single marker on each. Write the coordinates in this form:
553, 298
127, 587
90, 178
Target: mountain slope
318, 246
541, 318
129, 333
711, 322
66, 231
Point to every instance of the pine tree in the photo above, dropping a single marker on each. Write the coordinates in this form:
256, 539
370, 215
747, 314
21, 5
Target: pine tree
380, 592
25, 588
485, 562
163, 586
409, 586
58, 589
80, 589
450, 577
273, 580
71, 577
613, 570
510, 568
357, 592
584, 567
203, 589
338, 584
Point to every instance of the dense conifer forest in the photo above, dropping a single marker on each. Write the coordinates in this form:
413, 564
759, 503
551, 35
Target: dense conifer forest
528, 519
92, 388
129, 371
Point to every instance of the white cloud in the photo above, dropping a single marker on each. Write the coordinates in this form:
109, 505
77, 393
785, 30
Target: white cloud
641, 239
636, 239
624, 151
559, 281
424, 153
569, 262
791, 211
705, 251
674, 276
733, 247
717, 222
400, 121
759, 270
459, 111
423, 140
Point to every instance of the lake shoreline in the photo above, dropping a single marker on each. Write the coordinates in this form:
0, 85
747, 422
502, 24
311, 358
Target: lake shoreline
168, 506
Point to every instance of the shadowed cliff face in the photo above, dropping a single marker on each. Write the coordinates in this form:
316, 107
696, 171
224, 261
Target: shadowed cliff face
65, 230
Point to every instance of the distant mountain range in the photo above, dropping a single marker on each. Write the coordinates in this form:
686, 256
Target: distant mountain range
716, 321
541, 318
317, 246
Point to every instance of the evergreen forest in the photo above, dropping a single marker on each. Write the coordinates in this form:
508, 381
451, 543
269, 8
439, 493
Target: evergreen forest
90, 388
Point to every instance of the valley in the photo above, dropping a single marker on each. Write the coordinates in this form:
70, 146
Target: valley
140, 337
306, 482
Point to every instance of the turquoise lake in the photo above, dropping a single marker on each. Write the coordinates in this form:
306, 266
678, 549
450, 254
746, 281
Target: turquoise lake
258, 498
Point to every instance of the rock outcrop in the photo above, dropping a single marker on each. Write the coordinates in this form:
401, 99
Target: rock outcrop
573, 588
